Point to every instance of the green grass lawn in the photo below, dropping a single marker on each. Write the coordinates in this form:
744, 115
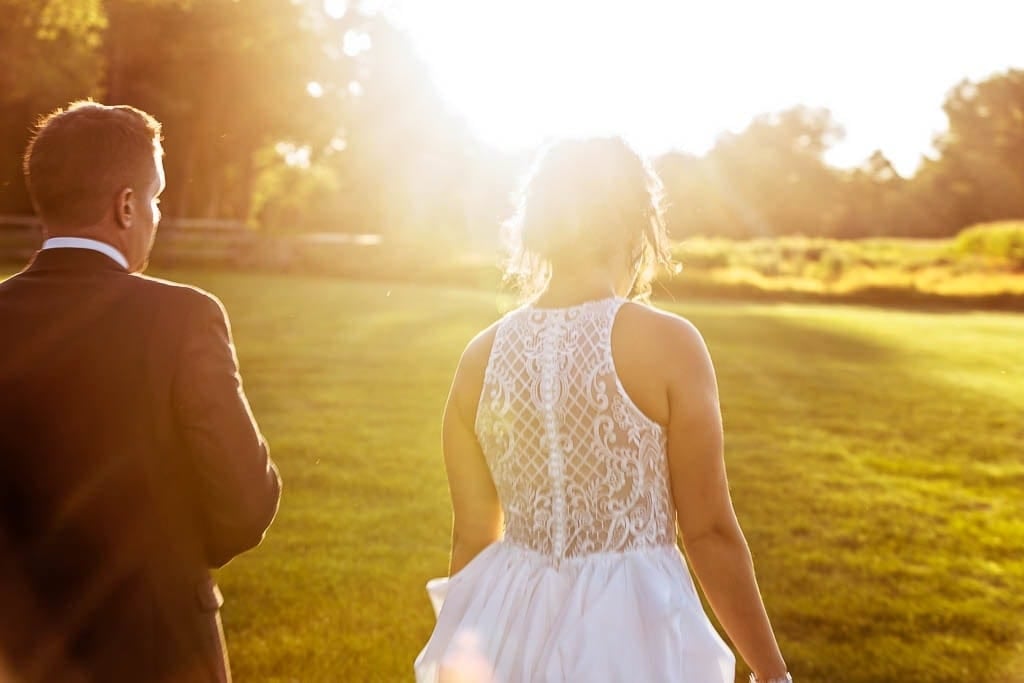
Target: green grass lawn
875, 458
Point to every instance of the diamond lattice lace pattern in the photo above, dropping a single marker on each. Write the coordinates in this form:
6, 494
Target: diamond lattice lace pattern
579, 469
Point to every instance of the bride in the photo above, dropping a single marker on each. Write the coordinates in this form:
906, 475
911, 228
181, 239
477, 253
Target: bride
581, 431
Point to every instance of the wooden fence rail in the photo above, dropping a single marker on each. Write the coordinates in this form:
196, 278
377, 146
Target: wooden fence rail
179, 241
206, 242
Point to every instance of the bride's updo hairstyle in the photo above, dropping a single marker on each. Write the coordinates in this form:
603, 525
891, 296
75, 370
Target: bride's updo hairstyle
583, 204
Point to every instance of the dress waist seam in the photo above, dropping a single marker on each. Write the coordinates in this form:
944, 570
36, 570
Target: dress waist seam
582, 558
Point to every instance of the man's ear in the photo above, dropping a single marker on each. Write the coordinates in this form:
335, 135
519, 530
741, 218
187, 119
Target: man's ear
124, 208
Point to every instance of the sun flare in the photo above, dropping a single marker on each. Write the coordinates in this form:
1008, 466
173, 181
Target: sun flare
676, 75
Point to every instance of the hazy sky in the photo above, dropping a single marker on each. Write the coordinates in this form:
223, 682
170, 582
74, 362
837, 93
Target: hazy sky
673, 74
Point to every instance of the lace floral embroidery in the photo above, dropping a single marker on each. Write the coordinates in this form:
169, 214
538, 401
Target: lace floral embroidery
578, 467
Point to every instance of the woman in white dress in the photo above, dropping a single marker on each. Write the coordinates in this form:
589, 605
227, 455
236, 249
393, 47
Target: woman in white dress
582, 430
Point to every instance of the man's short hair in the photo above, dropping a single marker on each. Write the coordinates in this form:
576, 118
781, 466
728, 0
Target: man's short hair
81, 156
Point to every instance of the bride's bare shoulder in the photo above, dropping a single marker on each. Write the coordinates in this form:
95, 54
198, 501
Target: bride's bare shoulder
478, 350
657, 355
659, 325
469, 377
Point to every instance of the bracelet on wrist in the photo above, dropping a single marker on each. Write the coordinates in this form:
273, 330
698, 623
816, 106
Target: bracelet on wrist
780, 679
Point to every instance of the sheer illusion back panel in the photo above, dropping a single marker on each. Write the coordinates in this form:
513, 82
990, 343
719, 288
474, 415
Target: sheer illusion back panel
578, 467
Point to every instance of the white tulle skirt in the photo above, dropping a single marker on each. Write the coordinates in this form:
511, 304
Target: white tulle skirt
511, 616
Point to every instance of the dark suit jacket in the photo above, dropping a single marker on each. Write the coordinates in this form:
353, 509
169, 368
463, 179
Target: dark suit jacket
130, 465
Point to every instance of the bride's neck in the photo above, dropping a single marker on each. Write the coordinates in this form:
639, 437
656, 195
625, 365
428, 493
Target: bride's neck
569, 289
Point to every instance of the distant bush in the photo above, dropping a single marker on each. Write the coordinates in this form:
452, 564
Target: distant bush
807, 256
702, 254
1002, 240
986, 261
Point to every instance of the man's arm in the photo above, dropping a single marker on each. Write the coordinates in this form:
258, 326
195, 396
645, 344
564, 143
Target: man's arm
239, 487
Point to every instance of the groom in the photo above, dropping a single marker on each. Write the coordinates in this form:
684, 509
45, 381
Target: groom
130, 463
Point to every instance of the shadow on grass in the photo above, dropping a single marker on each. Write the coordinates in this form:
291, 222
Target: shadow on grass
875, 528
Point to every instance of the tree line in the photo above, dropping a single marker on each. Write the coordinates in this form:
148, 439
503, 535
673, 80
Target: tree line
771, 178
291, 118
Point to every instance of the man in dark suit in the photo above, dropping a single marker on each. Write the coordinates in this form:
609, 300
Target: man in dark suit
130, 463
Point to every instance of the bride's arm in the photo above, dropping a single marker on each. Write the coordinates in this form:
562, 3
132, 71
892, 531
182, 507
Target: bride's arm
476, 511
714, 542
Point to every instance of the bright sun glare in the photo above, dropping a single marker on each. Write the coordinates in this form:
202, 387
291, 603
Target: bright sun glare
672, 74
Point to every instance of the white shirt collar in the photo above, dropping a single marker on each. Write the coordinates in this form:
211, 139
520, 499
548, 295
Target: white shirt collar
84, 243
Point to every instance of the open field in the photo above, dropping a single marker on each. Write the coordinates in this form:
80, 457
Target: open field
875, 457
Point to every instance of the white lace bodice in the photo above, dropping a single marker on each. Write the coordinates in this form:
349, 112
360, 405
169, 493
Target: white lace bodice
579, 469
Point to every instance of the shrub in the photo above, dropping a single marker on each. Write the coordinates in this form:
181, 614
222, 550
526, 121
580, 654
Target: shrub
1001, 240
